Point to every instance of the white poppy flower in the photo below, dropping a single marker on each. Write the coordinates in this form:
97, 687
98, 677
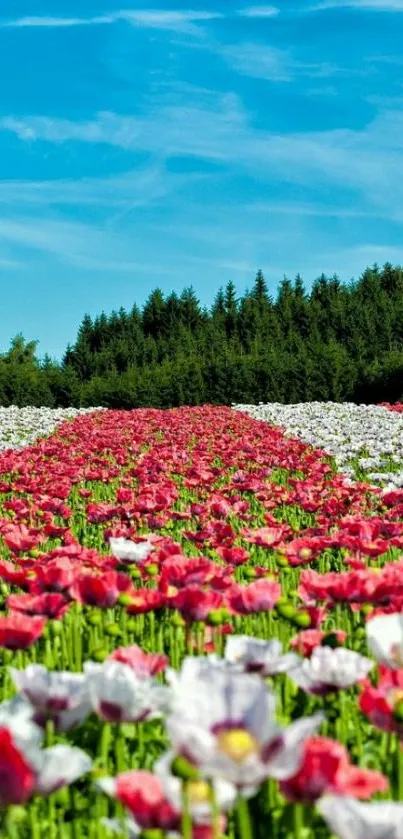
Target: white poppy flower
17, 716
60, 766
385, 639
127, 551
350, 819
255, 655
61, 696
20, 427
194, 667
51, 768
344, 430
223, 721
330, 669
118, 695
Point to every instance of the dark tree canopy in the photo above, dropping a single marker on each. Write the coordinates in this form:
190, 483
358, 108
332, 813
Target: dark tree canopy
339, 342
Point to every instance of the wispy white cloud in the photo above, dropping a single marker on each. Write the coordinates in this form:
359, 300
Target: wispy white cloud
259, 11
366, 163
151, 18
260, 61
79, 244
177, 20
169, 131
168, 19
366, 5
137, 188
278, 65
314, 208
368, 160
55, 22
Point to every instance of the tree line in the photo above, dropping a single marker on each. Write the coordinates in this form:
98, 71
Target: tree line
339, 342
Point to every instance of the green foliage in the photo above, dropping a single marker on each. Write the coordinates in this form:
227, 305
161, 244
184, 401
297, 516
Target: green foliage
337, 342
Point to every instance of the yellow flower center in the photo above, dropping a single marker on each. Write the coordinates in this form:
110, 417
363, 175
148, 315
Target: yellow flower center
238, 744
198, 792
305, 553
395, 696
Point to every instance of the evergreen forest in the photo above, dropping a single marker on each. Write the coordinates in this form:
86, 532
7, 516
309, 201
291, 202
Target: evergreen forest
339, 342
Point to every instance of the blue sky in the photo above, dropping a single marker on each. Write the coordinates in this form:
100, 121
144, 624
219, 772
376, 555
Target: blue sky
191, 144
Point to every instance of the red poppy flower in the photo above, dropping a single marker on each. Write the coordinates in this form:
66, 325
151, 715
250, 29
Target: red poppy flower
17, 776
56, 575
304, 549
144, 664
383, 703
142, 794
19, 538
195, 604
145, 600
267, 537
234, 556
50, 604
102, 591
13, 575
18, 631
259, 596
326, 769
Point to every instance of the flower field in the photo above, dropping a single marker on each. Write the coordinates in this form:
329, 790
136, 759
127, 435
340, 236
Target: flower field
19, 427
200, 629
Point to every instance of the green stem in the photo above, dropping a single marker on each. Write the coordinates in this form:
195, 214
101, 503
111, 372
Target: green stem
215, 812
244, 821
298, 820
105, 741
50, 732
186, 822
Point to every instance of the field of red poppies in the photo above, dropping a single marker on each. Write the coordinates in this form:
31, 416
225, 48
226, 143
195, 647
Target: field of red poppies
199, 634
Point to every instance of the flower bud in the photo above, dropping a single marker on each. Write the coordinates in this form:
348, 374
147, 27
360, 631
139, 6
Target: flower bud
151, 833
113, 630
133, 571
302, 619
56, 628
282, 600
124, 599
286, 610
16, 815
152, 569
131, 625
216, 617
94, 618
99, 654
181, 768
282, 561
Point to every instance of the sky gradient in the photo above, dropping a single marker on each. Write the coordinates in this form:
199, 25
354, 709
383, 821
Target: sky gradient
177, 145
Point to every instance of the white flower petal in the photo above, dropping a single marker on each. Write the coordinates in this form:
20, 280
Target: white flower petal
350, 819
62, 765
